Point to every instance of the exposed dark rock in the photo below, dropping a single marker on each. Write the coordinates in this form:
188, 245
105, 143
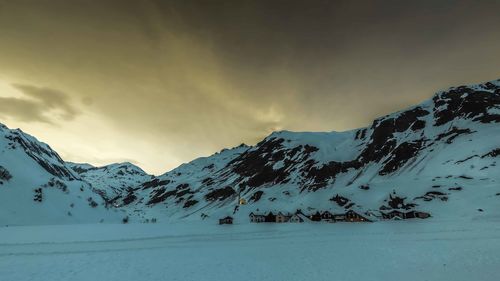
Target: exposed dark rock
408, 118
155, 183
493, 153
183, 192
38, 197
208, 181
256, 196
160, 195
466, 159
364, 187
267, 175
37, 151
400, 156
182, 186
321, 175
453, 133
4, 174
360, 134
79, 170
190, 203
129, 198
429, 196
257, 164
397, 202
92, 203
209, 167
53, 182
220, 194
308, 149
465, 102
418, 125
340, 200
381, 142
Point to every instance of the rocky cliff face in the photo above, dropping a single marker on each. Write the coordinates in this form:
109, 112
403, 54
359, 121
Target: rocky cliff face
444, 148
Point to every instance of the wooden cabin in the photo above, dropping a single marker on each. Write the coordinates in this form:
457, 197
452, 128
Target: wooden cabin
327, 216
226, 220
297, 218
339, 217
257, 218
410, 215
270, 217
315, 217
352, 216
280, 217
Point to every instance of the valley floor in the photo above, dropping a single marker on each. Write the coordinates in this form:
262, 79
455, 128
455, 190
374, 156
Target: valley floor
403, 250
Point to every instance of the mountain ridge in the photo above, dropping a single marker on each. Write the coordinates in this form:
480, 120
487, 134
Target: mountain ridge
302, 163
439, 156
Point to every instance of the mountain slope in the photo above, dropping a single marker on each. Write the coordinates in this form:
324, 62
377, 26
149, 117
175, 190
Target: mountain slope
439, 156
111, 180
37, 187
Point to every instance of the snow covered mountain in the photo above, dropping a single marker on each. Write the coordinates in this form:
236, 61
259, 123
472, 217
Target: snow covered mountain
439, 156
38, 187
113, 180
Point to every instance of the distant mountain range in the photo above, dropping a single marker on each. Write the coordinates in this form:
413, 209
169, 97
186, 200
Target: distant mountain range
439, 156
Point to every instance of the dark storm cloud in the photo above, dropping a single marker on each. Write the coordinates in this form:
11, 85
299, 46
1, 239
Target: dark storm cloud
39, 104
192, 77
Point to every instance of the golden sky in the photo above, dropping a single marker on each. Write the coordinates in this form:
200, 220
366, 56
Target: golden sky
159, 83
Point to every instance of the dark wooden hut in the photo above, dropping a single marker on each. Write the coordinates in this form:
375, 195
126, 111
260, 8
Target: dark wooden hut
270, 217
226, 220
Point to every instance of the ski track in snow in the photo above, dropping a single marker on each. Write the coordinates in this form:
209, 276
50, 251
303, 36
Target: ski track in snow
410, 250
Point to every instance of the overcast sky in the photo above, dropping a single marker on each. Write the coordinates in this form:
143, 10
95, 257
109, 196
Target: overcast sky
159, 83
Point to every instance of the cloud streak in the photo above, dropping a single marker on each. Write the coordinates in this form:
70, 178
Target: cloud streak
38, 104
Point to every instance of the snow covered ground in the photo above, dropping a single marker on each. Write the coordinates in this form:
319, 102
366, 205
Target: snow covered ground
399, 250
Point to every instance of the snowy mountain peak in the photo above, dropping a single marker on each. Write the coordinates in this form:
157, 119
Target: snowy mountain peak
418, 157
439, 157
38, 187
40, 152
112, 180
